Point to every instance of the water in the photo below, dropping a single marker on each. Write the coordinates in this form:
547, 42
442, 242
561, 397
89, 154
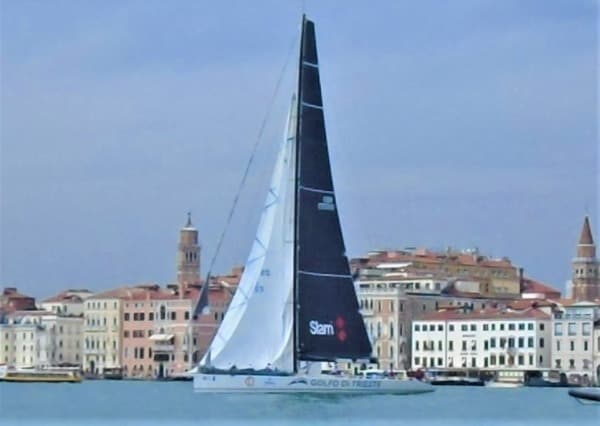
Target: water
174, 403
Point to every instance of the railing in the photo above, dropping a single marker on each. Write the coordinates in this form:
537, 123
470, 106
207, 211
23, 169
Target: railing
163, 348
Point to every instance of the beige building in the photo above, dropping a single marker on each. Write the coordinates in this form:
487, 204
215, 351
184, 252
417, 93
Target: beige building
102, 331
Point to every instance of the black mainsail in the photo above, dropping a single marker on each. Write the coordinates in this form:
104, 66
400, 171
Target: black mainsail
329, 325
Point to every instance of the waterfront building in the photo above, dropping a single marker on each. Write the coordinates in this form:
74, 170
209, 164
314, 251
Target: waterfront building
102, 331
489, 338
497, 277
68, 303
389, 309
40, 339
574, 335
585, 283
159, 340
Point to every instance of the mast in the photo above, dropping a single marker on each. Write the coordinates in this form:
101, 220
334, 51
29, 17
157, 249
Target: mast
295, 298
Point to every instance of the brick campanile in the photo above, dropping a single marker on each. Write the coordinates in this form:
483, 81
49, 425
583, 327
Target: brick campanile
586, 280
188, 256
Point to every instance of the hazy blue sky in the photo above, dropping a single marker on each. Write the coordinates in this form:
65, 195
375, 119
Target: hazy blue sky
464, 124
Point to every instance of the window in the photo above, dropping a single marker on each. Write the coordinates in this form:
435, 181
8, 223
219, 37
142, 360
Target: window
451, 327
585, 345
464, 345
417, 327
530, 326
557, 363
521, 326
417, 360
485, 345
530, 359
473, 327
493, 327
440, 345
541, 345
521, 342
541, 327
391, 329
464, 327
186, 316
530, 342
493, 342
572, 345
473, 362
521, 360
558, 346
431, 327
558, 329
450, 345
416, 345
440, 327
511, 326
571, 363
151, 316
492, 359
485, 327
163, 313
586, 328
141, 353
142, 315
501, 360
572, 329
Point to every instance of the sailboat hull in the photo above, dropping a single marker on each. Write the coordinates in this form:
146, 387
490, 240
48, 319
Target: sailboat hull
320, 384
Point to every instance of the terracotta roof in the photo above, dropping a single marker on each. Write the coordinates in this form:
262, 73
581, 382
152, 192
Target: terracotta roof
586, 233
11, 292
520, 304
485, 314
533, 286
139, 292
63, 297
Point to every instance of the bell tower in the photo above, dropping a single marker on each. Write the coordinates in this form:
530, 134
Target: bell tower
586, 280
188, 256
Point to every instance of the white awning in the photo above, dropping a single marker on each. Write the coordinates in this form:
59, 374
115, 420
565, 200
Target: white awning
161, 337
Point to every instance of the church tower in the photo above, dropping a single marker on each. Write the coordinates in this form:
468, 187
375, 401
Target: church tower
586, 280
188, 256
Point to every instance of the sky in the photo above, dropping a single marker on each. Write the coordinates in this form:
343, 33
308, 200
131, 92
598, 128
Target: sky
450, 124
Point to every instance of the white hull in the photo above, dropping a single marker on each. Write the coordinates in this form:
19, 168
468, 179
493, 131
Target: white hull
494, 384
319, 384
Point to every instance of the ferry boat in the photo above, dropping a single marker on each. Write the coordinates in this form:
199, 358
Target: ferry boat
39, 375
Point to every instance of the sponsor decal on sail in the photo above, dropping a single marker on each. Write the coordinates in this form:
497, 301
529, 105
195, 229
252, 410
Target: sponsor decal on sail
336, 328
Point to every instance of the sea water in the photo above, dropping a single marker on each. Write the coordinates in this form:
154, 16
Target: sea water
175, 403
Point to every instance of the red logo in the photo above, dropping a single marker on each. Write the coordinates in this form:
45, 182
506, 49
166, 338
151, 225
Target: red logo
340, 329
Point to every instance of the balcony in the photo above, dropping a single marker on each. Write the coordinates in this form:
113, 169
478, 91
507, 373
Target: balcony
158, 347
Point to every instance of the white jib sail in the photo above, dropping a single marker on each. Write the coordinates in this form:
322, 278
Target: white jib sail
257, 329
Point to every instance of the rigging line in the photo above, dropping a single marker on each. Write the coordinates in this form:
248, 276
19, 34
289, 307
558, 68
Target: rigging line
248, 165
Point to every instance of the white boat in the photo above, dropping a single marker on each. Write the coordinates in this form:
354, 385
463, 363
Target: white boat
296, 305
500, 384
507, 378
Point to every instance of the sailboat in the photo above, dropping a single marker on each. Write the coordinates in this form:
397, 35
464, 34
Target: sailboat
296, 305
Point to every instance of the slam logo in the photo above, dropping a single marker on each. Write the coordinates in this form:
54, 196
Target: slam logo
337, 328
